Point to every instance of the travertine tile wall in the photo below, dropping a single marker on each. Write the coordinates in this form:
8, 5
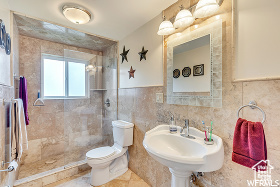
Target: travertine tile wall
62, 131
138, 105
40, 29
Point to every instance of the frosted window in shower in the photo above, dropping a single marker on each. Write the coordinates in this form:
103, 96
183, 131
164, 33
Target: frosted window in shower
54, 77
76, 79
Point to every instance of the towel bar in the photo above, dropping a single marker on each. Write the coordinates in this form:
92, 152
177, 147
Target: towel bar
253, 105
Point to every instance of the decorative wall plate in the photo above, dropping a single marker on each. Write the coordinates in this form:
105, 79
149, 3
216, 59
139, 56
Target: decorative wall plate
2, 34
198, 70
176, 73
186, 72
8, 44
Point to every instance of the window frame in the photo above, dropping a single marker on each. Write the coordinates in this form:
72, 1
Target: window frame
66, 75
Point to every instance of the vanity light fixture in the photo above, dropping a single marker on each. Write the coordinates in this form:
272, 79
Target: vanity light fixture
205, 8
184, 18
76, 14
165, 28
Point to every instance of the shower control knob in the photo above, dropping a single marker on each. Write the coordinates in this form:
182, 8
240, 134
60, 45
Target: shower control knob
107, 103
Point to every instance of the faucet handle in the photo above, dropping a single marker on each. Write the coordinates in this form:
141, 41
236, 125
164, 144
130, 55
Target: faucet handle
172, 116
186, 122
186, 125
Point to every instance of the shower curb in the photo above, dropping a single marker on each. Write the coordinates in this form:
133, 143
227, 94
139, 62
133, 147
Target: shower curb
54, 175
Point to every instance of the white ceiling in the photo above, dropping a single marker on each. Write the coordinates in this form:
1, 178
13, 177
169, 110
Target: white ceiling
113, 19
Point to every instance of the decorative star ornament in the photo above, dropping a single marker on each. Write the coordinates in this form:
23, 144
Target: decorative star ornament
124, 54
143, 53
131, 72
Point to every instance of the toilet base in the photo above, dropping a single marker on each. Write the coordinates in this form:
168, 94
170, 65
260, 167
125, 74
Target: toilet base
109, 171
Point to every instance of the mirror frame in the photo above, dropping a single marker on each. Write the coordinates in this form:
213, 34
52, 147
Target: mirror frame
215, 97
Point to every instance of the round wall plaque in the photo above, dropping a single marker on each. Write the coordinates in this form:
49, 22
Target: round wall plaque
176, 73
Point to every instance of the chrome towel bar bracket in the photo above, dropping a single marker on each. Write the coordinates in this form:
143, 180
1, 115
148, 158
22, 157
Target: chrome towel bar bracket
11, 168
7, 101
253, 105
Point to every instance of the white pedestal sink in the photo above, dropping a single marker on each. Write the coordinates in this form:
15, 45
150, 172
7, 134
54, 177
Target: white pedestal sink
183, 155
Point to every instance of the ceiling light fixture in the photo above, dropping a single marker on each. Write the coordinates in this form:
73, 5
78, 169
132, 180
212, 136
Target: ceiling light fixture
165, 28
184, 18
76, 14
205, 8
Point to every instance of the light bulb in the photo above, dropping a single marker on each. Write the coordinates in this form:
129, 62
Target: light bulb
165, 28
183, 19
205, 8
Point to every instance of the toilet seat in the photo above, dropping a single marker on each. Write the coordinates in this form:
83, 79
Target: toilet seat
101, 153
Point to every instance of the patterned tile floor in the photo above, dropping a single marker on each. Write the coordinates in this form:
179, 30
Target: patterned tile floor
128, 179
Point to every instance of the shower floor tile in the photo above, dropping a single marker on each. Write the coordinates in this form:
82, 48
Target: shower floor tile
128, 179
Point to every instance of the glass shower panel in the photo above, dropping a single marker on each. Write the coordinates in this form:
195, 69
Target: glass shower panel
76, 79
110, 85
85, 117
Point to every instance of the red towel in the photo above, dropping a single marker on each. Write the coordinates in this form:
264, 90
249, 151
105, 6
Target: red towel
249, 146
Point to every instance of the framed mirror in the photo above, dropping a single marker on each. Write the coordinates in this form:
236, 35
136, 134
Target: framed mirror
194, 67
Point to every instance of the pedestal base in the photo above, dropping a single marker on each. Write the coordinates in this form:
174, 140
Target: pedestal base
180, 178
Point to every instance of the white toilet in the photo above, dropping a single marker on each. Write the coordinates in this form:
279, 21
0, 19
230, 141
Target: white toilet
110, 162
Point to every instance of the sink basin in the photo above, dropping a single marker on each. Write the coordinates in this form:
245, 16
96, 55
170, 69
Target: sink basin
183, 155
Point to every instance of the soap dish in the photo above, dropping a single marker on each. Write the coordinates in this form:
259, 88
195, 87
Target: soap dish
208, 142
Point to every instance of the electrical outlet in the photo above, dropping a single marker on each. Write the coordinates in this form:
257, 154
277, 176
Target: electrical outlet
159, 97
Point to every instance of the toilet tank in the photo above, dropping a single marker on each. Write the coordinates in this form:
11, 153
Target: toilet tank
123, 133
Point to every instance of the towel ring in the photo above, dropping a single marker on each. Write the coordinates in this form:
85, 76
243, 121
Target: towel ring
253, 105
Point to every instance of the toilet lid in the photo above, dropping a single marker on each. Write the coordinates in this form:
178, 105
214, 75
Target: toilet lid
101, 152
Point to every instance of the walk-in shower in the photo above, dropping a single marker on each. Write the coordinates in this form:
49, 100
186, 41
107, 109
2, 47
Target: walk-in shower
76, 74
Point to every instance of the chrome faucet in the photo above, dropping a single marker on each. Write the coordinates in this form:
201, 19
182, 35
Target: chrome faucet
186, 131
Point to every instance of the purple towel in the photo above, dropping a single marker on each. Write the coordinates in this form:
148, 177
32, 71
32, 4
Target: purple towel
24, 96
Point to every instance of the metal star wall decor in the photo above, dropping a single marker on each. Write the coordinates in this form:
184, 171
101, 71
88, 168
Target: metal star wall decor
143, 53
124, 54
131, 72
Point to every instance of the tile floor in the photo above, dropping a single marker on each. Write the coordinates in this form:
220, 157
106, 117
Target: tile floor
128, 179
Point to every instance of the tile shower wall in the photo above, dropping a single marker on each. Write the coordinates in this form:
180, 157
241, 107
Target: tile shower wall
138, 105
61, 131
